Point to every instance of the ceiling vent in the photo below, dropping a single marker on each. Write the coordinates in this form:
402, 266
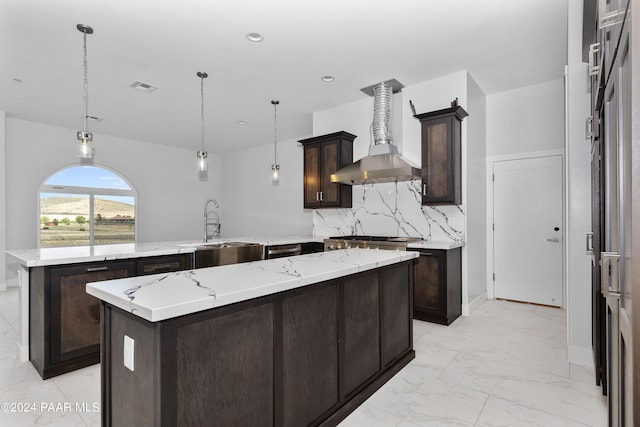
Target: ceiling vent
143, 86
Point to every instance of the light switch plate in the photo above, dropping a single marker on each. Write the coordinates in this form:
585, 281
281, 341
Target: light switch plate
128, 352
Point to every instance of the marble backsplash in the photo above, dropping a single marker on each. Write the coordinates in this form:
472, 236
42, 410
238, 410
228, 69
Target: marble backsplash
391, 209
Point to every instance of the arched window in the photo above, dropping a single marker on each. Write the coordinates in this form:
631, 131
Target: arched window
86, 205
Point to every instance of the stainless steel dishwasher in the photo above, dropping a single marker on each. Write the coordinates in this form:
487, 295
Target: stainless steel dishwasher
212, 255
281, 251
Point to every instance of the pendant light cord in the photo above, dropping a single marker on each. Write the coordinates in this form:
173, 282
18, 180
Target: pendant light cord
85, 95
202, 111
275, 131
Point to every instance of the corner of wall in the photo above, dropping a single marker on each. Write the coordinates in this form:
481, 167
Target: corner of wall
3, 203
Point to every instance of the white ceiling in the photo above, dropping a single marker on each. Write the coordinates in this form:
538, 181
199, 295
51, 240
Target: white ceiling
504, 44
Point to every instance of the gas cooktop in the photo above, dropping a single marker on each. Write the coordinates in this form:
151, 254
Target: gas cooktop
377, 238
372, 242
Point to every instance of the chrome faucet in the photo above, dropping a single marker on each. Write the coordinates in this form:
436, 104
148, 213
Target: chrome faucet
214, 222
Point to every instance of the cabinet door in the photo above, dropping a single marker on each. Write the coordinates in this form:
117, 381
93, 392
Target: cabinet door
440, 161
330, 191
310, 355
429, 288
611, 15
598, 303
396, 336
75, 315
323, 156
361, 331
312, 176
224, 370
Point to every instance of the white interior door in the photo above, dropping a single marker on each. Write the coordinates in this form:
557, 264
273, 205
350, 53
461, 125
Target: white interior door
527, 213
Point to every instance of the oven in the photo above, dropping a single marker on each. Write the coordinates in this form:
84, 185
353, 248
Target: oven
281, 251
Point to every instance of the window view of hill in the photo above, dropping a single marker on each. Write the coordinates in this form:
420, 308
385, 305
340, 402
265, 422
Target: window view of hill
65, 220
60, 206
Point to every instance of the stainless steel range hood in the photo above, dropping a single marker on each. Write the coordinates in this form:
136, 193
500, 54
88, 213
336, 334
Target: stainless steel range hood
376, 168
384, 163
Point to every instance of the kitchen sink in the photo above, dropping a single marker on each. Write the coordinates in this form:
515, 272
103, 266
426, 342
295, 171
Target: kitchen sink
215, 254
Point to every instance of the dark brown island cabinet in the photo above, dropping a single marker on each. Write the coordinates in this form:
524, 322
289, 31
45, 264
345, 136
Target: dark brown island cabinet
437, 285
441, 156
64, 321
323, 156
302, 357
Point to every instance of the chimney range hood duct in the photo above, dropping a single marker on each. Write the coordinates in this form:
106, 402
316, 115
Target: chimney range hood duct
384, 163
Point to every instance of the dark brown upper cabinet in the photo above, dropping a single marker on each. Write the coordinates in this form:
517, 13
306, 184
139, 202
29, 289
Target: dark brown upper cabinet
441, 156
323, 156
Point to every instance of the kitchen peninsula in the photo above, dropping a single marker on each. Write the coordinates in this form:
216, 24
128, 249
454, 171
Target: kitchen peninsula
290, 341
59, 322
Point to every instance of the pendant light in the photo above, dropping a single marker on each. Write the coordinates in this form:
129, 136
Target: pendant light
202, 155
84, 136
275, 167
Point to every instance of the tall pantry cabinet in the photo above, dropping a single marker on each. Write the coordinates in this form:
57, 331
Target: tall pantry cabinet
615, 174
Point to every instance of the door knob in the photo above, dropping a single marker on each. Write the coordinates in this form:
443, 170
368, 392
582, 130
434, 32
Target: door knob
554, 240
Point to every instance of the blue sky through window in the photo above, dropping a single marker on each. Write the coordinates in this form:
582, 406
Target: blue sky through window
92, 177
88, 176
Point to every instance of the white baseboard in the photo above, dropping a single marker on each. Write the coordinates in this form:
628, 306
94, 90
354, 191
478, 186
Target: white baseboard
580, 356
23, 353
473, 306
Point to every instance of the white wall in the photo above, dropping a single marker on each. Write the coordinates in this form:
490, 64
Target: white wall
474, 192
526, 119
170, 196
252, 204
578, 195
3, 212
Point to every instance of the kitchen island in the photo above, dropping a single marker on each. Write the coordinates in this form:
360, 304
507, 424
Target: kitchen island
284, 342
59, 323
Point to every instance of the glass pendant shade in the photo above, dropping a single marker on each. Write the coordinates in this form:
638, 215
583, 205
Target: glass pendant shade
85, 149
275, 175
202, 161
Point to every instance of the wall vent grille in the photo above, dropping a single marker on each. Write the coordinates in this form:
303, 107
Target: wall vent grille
143, 86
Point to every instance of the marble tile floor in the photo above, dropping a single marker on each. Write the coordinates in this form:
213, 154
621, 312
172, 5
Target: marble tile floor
505, 365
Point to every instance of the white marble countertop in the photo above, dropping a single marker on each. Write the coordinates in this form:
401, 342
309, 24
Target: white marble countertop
164, 296
431, 244
76, 254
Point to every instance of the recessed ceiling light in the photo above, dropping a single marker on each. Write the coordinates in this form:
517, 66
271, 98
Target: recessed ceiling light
143, 86
254, 37
327, 78
242, 122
